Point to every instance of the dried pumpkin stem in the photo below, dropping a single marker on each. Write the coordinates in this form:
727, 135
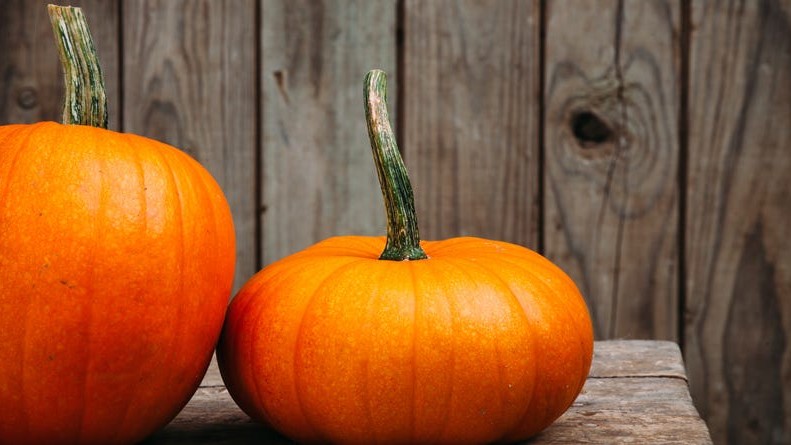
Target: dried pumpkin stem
403, 238
85, 102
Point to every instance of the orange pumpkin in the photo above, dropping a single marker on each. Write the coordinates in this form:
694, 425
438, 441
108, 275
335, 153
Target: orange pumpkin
465, 340
116, 264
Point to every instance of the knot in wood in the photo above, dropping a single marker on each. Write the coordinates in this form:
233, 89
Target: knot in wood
590, 130
27, 98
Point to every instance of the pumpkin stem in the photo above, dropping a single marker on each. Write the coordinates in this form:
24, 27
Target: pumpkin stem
85, 102
403, 239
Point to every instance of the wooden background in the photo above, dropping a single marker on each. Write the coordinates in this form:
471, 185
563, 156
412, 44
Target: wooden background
643, 145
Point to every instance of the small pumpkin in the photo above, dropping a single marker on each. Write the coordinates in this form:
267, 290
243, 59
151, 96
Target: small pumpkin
465, 340
116, 265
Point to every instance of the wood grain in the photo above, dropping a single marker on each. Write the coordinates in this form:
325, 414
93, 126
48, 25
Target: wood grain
189, 74
738, 281
611, 158
31, 79
318, 174
656, 411
212, 417
637, 358
470, 120
637, 393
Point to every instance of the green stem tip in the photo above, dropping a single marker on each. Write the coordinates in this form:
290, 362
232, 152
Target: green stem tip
85, 102
403, 238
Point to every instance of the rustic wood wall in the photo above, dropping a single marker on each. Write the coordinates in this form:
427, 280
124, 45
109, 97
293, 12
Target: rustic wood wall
643, 145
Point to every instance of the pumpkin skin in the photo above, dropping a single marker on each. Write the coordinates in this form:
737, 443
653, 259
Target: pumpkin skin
116, 264
484, 341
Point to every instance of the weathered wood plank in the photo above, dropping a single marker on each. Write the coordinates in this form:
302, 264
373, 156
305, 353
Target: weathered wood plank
657, 410
189, 74
637, 393
212, 377
318, 175
212, 417
630, 410
738, 280
611, 153
637, 358
470, 120
32, 81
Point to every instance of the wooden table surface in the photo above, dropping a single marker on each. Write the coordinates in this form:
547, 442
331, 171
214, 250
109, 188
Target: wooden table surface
636, 393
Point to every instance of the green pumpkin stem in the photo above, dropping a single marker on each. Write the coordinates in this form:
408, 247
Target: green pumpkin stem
85, 102
403, 239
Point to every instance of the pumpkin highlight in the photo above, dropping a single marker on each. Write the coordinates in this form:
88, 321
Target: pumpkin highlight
465, 340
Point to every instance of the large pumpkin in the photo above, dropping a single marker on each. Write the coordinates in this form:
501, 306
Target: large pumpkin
457, 341
116, 263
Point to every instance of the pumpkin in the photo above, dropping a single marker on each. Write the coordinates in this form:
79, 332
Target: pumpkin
116, 266
465, 340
